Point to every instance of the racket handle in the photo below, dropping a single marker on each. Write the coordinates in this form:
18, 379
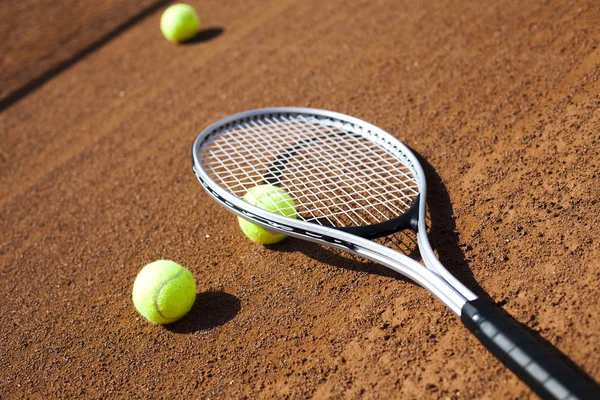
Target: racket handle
534, 363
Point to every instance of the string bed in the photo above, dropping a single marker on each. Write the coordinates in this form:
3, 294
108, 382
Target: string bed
336, 172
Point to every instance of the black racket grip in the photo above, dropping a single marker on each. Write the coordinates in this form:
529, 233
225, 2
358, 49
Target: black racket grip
539, 366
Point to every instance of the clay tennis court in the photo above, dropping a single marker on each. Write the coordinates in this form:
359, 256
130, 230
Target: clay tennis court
98, 113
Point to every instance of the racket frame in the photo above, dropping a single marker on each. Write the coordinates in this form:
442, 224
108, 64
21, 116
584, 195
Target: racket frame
434, 277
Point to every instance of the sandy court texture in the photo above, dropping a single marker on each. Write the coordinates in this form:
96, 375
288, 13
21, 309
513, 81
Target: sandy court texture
501, 98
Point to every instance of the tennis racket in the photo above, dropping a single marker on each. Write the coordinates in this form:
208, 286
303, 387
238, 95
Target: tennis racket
353, 182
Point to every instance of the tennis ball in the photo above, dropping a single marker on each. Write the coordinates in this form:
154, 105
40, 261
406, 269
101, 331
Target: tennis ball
179, 23
270, 198
164, 291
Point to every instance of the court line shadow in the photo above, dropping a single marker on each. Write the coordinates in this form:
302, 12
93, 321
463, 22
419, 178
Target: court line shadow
211, 309
204, 35
36, 82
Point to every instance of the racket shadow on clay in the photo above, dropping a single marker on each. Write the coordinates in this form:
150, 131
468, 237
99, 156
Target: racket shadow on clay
335, 258
442, 228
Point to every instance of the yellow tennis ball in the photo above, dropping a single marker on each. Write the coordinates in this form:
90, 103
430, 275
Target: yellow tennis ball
164, 291
179, 23
270, 198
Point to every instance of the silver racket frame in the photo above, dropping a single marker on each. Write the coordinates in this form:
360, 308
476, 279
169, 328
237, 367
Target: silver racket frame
435, 277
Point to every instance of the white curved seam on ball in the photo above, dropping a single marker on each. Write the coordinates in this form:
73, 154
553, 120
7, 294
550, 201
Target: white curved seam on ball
161, 288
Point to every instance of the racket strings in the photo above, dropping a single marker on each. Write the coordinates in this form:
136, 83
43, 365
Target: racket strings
335, 173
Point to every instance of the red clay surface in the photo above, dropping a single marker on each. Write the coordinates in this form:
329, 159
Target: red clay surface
501, 99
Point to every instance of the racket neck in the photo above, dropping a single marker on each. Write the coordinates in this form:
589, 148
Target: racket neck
433, 264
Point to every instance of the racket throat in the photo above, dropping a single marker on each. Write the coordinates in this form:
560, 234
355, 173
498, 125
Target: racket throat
407, 220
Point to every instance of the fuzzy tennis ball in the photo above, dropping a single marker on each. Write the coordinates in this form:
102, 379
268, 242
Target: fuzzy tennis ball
179, 23
270, 198
164, 291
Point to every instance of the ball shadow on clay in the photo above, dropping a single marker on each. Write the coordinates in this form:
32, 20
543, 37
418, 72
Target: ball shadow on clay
211, 309
204, 35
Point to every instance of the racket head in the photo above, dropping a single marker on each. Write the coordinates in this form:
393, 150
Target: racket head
343, 173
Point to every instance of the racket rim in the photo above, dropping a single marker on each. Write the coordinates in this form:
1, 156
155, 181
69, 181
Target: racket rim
324, 234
